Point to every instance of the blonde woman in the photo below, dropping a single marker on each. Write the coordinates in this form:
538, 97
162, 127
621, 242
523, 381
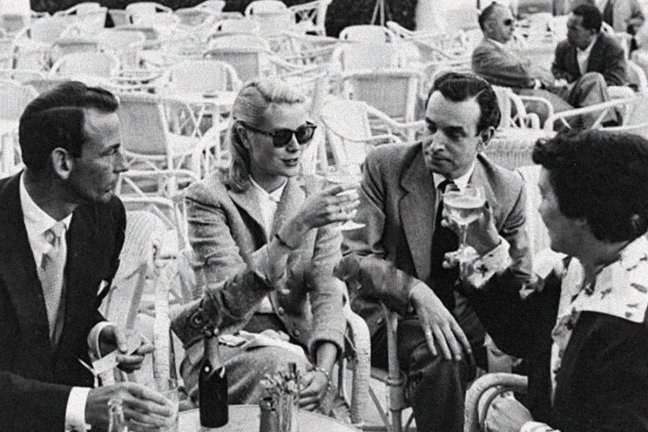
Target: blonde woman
256, 218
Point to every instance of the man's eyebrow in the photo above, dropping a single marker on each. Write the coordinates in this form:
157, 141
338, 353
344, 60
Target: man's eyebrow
455, 130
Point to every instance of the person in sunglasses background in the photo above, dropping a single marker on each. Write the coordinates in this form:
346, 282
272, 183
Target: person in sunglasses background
503, 65
256, 217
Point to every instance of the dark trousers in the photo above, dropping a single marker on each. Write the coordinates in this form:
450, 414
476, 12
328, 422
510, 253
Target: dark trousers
435, 386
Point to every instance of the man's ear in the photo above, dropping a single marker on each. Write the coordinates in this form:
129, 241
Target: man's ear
62, 162
486, 135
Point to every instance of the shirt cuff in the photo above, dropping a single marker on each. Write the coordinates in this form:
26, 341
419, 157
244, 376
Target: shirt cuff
75, 410
93, 338
478, 270
533, 426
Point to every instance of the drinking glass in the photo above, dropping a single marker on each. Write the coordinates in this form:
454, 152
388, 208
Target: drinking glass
349, 174
464, 206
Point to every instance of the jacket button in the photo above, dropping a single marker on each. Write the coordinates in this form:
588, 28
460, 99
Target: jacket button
296, 333
280, 310
380, 320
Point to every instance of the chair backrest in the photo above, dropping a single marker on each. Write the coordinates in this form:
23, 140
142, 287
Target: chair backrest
215, 5
195, 16
14, 97
203, 76
367, 33
245, 25
392, 91
264, 6
12, 23
80, 8
88, 64
151, 35
274, 23
143, 124
249, 63
126, 45
636, 118
514, 114
65, 46
119, 17
45, 29
147, 8
365, 55
88, 17
347, 130
163, 20
311, 16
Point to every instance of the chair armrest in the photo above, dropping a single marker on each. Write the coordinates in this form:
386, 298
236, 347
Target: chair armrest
489, 386
358, 334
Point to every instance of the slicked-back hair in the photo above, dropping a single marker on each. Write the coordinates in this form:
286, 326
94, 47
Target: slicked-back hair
601, 177
592, 18
461, 86
487, 13
56, 119
250, 105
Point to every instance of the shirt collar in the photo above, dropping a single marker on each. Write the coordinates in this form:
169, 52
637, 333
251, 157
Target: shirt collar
461, 182
35, 218
275, 195
589, 47
620, 289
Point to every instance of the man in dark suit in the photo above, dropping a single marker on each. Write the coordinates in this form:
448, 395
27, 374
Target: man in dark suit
501, 65
587, 49
439, 335
61, 232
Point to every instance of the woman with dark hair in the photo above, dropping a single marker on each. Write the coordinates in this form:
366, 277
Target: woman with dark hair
256, 217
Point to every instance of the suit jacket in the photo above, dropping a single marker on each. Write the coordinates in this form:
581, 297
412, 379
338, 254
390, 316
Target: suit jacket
603, 377
398, 207
504, 67
94, 241
607, 58
227, 235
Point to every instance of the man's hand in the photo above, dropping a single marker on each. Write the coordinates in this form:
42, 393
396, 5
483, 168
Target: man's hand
144, 408
506, 414
439, 326
114, 337
315, 383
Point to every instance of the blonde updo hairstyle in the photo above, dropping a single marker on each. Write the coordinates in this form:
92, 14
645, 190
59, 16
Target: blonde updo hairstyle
250, 105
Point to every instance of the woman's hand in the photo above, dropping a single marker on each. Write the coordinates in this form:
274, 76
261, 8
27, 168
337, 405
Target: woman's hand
334, 204
314, 386
506, 414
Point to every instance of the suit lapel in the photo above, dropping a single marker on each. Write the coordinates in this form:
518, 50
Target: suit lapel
248, 202
596, 54
480, 178
17, 265
417, 212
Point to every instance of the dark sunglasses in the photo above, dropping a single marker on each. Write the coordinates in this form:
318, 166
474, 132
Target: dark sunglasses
281, 137
508, 22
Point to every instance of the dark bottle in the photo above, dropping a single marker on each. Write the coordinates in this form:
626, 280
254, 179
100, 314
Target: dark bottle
212, 384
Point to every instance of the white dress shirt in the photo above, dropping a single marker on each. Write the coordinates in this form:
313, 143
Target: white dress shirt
268, 202
582, 56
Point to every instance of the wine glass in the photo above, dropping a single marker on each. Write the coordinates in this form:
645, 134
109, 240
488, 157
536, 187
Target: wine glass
464, 206
348, 174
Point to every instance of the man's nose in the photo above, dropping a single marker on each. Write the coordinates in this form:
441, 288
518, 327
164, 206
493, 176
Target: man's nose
121, 164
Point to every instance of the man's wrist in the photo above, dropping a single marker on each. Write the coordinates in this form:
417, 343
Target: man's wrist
75, 411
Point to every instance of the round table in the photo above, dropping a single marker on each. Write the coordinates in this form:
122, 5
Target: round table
245, 418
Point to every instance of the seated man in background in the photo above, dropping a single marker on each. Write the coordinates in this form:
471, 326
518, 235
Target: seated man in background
440, 339
61, 233
501, 65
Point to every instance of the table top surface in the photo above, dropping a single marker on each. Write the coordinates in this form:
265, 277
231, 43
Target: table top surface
245, 418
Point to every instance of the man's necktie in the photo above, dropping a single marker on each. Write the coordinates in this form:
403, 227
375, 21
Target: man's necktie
443, 240
51, 276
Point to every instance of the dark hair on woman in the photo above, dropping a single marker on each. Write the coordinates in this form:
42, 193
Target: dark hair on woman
461, 86
56, 119
601, 177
